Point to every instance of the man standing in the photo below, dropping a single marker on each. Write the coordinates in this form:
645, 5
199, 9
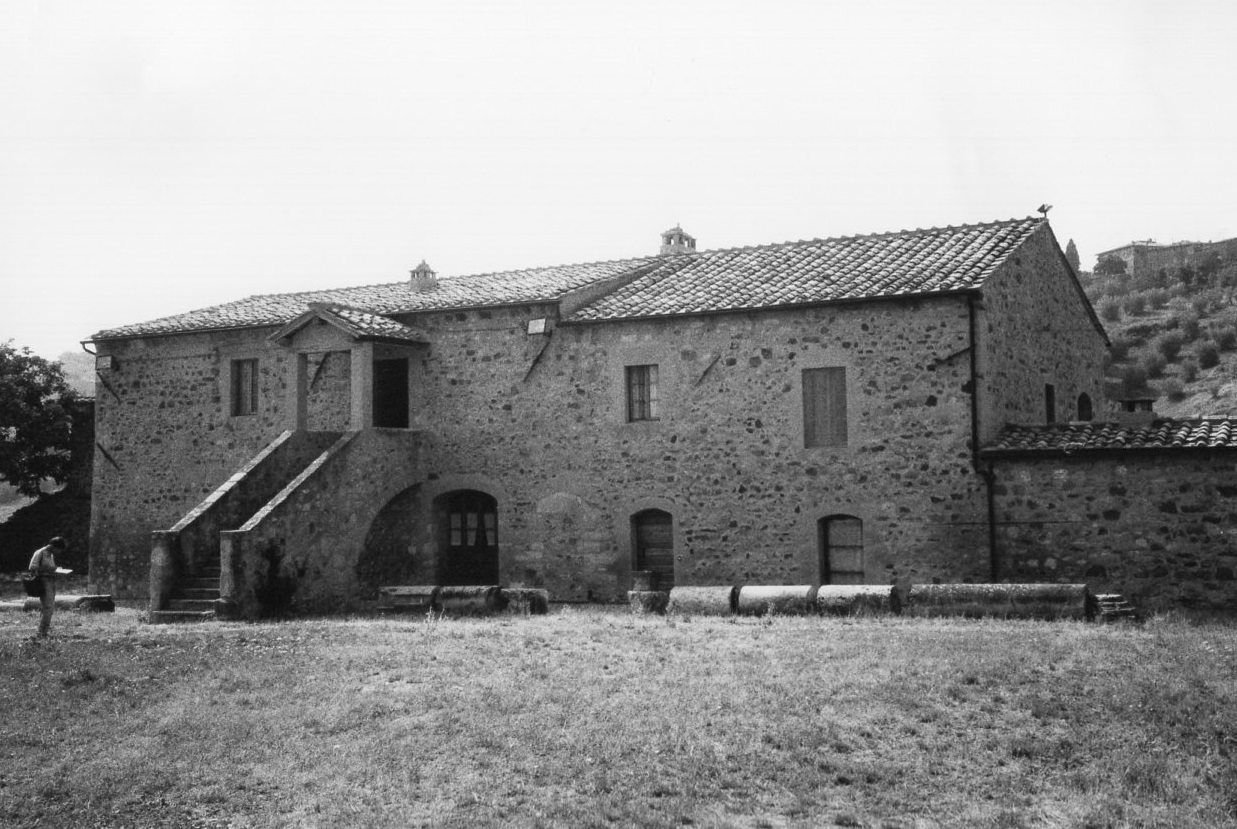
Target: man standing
43, 562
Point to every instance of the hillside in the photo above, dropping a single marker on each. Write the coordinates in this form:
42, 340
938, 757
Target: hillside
1173, 332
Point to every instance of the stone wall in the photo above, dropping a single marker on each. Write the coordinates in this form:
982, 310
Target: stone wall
1158, 527
165, 439
1034, 330
299, 553
328, 396
539, 423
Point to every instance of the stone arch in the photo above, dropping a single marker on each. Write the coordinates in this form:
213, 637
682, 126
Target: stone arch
392, 552
626, 536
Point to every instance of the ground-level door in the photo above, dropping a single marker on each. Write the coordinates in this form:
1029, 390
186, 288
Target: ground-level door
841, 550
468, 532
653, 537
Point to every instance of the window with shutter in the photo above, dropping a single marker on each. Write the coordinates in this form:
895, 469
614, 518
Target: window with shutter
642, 403
244, 387
824, 407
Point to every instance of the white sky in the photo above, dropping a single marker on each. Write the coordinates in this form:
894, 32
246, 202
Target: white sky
157, 157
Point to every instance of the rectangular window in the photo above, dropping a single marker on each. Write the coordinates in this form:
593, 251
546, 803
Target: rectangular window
1050, 403
824, 407
244, 387
641, 393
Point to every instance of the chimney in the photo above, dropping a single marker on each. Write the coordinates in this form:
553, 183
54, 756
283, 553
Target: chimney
675, 240
423, 278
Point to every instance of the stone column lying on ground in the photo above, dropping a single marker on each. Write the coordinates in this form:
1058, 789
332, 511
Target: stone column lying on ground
857, 599
703, 601
67, 601
780, 599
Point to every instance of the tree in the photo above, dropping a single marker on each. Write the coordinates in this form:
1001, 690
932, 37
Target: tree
1071, 255
35, 418
1110, 266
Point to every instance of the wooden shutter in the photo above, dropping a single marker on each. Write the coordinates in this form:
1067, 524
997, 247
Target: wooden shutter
244, 387
824, 407
642, 402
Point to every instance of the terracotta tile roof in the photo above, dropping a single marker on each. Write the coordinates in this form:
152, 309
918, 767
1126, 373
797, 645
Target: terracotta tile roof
507, 288
1203, 433
359, 324
910, 262
907, 263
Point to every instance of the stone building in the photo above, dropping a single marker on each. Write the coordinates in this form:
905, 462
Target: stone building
811, 411
1148, 257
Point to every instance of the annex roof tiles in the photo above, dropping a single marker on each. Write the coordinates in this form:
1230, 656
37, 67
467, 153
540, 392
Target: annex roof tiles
1202, 433
507, 288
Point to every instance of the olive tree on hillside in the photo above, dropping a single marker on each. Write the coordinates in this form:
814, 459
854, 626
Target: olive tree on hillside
1110, 266
34, 420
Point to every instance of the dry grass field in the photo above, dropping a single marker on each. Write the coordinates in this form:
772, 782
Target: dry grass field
595, 718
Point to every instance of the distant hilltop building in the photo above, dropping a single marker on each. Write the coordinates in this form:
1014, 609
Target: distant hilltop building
1148, 257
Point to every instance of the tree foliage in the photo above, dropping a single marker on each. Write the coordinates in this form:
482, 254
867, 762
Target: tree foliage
1110, 266
1071, 256
35, 419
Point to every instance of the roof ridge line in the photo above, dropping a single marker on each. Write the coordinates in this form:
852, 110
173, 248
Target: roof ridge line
879, 235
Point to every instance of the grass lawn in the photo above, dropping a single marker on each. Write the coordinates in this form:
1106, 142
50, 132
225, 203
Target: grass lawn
595, 718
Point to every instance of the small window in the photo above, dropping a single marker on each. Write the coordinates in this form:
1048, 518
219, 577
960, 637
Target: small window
824, 407
1050, 403
244, 387
1085, 412
642, 393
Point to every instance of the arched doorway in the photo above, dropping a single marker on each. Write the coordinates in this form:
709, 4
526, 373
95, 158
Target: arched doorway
841, 550
467, 522
1085, 410
652, 534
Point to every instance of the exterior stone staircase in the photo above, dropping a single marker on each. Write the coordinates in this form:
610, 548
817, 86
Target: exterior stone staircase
1112, 607
194, 599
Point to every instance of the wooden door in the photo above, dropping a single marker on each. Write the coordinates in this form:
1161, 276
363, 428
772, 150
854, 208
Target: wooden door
841, 554
469, 539
391, 393
653, 535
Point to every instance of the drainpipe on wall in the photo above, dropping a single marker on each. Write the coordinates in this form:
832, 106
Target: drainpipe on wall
987, 473
994, 559
970, 307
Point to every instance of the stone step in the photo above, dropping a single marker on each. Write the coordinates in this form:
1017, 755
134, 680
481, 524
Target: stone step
200, 584
198, 593
197, 605
165, 617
